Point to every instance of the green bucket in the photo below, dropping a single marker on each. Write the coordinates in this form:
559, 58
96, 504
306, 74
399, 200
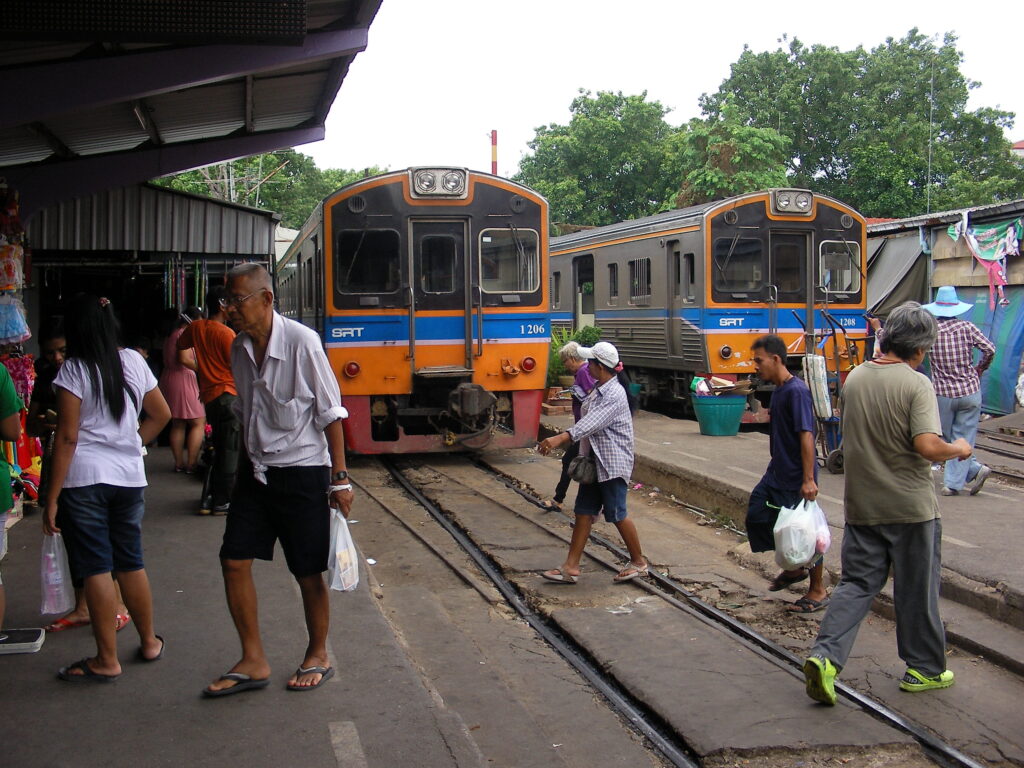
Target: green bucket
719, 416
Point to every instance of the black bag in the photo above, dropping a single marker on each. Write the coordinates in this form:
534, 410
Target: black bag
583, 469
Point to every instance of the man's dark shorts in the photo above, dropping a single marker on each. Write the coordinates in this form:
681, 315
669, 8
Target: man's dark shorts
292, 507
763, 509
608, 497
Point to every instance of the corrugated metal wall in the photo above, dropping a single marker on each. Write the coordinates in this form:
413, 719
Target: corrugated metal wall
149, 218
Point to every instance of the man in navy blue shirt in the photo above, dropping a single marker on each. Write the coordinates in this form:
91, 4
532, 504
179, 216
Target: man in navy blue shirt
792, 473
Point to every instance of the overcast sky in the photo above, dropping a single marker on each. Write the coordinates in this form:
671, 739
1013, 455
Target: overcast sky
438, 76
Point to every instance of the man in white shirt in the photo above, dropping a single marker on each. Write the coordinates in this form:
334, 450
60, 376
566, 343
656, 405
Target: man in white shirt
292, 471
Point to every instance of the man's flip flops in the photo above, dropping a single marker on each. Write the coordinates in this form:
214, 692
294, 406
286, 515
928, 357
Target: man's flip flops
326, 673
630, 572
242, 683
807, 605
556, 575
783, 580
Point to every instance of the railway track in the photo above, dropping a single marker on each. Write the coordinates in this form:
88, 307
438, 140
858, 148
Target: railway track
644, 718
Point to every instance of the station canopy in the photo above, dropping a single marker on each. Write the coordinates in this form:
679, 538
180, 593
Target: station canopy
110, 93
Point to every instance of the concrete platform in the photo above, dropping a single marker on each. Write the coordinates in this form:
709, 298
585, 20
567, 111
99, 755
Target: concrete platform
982, 575
376, 711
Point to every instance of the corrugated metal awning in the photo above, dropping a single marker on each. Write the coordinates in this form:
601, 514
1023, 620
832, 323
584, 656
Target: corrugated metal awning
148, 218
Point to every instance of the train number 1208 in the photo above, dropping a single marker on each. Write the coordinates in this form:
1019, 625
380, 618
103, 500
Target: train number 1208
533, 329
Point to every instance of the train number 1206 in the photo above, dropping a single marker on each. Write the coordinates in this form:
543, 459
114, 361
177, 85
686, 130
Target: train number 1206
533, 329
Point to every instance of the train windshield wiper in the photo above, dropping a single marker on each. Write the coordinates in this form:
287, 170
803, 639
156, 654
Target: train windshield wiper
852, 258
728, 256
524, 262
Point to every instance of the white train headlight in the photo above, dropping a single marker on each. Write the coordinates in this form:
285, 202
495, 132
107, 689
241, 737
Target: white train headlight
424, 182
792, 201
439, 182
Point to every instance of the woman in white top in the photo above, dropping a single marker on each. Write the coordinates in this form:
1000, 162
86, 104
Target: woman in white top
98, 477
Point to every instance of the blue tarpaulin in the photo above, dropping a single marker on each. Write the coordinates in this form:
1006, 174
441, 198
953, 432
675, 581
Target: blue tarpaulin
1004, 325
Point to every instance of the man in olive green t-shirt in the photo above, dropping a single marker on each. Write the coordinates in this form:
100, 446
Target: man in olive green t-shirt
891, 436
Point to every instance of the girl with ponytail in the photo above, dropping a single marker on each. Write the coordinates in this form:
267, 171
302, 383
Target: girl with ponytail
98, 478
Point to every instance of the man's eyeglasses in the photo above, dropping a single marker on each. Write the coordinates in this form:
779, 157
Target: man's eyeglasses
235, 301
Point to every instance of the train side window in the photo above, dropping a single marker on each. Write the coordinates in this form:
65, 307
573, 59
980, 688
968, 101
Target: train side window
613, 283
308, 287
689, 276
437, 264
509, 261
840, 267
556, 289
738, 267
368, 261
677, 273
640, 281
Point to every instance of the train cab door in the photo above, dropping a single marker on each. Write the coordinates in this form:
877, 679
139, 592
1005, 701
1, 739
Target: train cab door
787, 268
440, 316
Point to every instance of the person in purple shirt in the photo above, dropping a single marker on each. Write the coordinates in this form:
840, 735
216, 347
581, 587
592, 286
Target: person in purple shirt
584, 382
792, 473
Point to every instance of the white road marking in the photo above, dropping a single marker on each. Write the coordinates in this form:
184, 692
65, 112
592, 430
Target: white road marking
348, 751
746, 472
691, 455
959, 542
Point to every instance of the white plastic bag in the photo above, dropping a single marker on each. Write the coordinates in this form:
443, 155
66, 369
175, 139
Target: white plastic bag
58, 594
797, 535
343, 564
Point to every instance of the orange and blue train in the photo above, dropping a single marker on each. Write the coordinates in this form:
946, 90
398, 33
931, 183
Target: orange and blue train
429, 288
684, 293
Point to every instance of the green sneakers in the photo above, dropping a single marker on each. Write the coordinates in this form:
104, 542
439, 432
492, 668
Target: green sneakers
821, 677
914, 681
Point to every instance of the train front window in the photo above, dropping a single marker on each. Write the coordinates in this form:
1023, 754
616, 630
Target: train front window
437, 264
509, 261
368, 261
840, 267
737, 264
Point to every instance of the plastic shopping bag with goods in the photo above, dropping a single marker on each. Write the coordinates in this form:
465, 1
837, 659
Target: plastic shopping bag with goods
343, 564
801, 534
58, 594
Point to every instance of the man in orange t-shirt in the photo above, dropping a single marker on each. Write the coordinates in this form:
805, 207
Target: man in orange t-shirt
211, 339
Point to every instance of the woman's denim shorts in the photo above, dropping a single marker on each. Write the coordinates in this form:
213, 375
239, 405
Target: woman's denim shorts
102, 527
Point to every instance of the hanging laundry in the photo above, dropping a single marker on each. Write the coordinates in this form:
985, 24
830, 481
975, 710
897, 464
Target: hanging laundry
990, 245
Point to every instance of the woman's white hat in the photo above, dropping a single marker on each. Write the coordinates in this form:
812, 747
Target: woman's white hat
603, 352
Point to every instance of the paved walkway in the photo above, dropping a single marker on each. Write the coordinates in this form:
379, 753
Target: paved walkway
376, 711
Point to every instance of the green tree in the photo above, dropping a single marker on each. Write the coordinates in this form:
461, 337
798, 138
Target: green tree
607, 164
287, 182
886, 130
720, 157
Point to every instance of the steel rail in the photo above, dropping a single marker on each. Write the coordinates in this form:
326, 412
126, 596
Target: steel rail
693, 603
622, 702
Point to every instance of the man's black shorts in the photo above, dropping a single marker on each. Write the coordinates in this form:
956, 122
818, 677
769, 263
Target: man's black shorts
292, 507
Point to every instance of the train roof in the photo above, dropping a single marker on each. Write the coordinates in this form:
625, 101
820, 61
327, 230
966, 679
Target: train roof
656, 223
646, 224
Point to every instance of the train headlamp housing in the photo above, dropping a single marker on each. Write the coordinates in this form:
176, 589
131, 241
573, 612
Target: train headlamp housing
528, 364
351, 369
439, 182
792, 202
